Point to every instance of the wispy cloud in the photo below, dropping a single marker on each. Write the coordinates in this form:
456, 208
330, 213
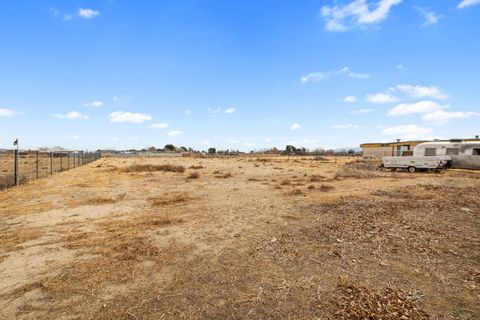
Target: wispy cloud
73, 115
441, 116
350, 99
84, 13
175, 133
356, 13
125, 117
417, 107
431, 17
8, 113
467, 3
158, 125
381, 98
417, 92
362, 111
319, 76
313, 77
295, 126
408, 131
230, 110
87, 13
94, 104
187, 112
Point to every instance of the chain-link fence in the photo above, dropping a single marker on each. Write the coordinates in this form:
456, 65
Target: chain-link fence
17, 167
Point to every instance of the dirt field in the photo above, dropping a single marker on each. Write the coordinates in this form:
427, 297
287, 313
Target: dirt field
240, 238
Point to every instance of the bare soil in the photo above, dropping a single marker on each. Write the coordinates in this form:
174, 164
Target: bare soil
247, 238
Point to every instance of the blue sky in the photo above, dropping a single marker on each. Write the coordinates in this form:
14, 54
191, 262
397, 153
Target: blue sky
237, 74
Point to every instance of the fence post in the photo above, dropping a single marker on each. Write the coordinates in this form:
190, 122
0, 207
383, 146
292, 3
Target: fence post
36, 161
68, 160
15, 168
61, 162
51, 163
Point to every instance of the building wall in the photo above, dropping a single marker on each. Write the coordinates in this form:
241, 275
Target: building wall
378, 151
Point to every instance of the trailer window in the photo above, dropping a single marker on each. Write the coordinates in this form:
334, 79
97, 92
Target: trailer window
430, 151
476, 152
452, 151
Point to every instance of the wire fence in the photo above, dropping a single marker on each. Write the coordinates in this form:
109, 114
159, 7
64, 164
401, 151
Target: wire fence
17, 167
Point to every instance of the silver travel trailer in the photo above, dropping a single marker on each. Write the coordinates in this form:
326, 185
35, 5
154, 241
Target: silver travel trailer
465, 155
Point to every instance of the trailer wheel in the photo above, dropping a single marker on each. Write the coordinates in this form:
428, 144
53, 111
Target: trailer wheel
411, 169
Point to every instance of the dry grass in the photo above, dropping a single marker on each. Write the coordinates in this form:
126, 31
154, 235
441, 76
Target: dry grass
193, 175
104, 200
325, 188
376, 248
224, 175
169, 198
357, 302
153, 168
196, 167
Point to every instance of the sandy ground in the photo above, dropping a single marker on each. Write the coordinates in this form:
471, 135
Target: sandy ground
247, 238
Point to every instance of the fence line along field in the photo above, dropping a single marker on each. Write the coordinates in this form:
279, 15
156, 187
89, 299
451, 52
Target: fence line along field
34, 164
240, 238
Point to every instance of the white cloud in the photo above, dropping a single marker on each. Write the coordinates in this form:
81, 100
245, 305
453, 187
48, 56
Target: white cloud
73, 115
356, 13
441, 116
295, 126
467, 3
158, 125
318, 76
313, 77
87, 13
345, 126
121, 117
400, 66
81, 13
409, 131
94, 104
417, 107
8, 113
72, 137
362, 111
230, 110
187, 112
417, 92
175, 133
358, 75
350, 99
380, 98
430, 17
351, 74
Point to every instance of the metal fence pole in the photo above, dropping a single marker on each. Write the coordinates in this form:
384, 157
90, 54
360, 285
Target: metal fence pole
68, 160
15, 168
61, 162
36, 161
51, 163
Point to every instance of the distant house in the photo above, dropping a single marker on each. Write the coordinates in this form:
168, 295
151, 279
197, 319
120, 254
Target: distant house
389, 149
